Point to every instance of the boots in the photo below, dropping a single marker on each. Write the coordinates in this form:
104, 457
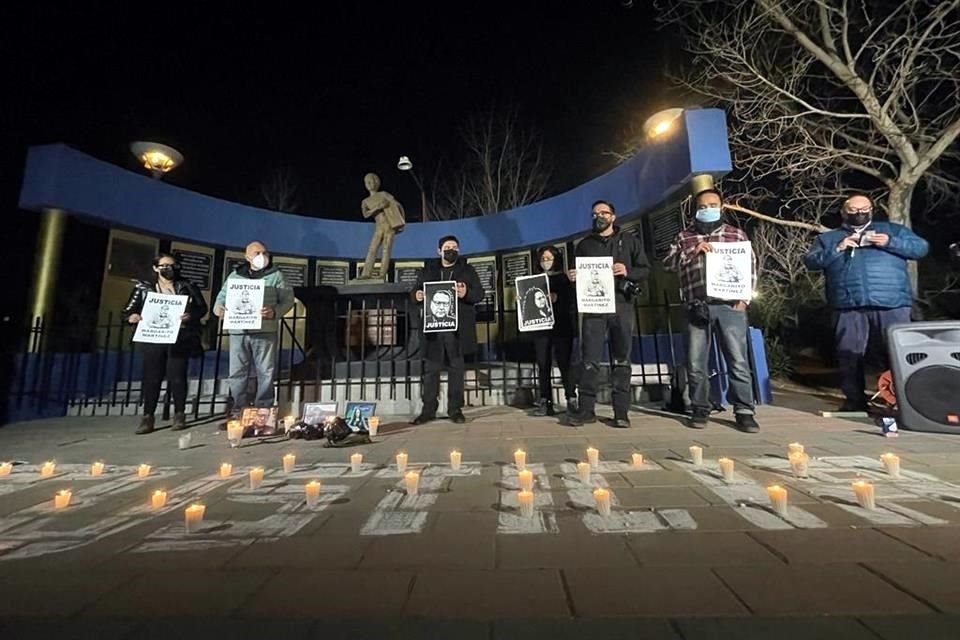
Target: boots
146, 425
544, 408
179, 421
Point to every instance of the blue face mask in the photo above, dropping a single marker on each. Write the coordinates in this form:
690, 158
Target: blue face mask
708, 214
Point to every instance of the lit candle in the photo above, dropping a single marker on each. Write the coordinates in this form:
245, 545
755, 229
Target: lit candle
602, 497
356, 462
637, 460
525, 498
234, 432
312, 490
593, 457
778, 498
288, 422
525, 479
865, 494
6, 468
193, 517
455, 458
62, 499
143, 471
183, 442
226, 470
289, 462
373, 425
401, 462
799, 462
96, 469
158, 499
48, 469
794, 447
520, 459
412, 479
256, 477
696, 455
892, 463
583, 472
726, 469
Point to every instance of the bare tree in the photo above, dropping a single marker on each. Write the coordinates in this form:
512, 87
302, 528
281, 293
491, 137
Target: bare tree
279, 191
504, 167
827, 94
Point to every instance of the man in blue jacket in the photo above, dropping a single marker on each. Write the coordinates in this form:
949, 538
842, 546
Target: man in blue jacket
868, 286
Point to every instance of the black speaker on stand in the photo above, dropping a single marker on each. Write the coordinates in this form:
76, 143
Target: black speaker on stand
925, 361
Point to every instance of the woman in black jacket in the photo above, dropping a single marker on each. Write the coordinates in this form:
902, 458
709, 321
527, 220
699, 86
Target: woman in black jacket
556, 343
168, 360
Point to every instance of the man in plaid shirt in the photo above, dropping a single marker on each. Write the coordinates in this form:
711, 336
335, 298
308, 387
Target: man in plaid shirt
727, 319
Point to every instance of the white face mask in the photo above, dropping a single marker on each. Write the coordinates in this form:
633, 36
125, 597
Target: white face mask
259, 262
546, 265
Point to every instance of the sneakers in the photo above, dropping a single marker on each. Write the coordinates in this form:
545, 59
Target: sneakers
698, 420
146, 425
747, 423
621, 423
573, 405
852, 406
544, 408
457, 417
179, 421
579, 419
423, 418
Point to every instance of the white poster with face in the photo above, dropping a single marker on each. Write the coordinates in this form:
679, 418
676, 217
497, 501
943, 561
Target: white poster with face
160, 318
440, 306
595, 292
729, 271
244, 302
534, 308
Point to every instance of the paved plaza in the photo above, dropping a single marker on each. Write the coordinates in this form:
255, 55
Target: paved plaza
684, 553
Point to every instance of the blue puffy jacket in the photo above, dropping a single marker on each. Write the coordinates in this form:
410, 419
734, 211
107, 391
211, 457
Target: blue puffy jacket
867, 276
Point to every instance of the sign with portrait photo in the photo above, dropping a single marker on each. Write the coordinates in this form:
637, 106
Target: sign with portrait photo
535, 310
595, 292
357, 415
315, 413
729, 271
243, 304
259, 421
160, 318
439, 306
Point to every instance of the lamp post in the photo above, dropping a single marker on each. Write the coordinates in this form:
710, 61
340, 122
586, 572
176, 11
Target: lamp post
661, 123
157, 158
405, 164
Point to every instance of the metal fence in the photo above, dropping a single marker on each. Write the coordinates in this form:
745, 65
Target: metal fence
346, 348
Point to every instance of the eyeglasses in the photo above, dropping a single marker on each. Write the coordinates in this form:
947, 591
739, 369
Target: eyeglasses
606, 214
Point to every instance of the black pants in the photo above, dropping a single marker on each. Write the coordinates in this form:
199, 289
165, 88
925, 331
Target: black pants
446, 351
593, 331
161, 360
550, 345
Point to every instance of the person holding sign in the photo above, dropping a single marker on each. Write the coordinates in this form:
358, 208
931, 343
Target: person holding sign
167, 352
447, 347
555, 343
718, 275
618, 258
253, 348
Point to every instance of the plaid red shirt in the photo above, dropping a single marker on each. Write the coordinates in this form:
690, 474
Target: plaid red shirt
692, 267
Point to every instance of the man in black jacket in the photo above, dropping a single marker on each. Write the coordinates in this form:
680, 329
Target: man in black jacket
630, 267
448, 347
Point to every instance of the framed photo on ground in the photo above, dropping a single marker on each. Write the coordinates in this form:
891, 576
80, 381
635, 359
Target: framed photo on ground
259, 421
357, 414
315, 412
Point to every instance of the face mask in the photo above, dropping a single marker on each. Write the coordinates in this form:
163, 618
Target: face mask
167, 271
259, 262
601, 223
856, 220
450, 255
546, 265
708, 214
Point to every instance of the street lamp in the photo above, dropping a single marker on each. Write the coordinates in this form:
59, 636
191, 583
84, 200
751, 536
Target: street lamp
158, 158
406, 164
660, 123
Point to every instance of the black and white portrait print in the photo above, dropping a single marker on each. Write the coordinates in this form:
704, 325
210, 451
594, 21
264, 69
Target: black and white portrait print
439, 306
534, 307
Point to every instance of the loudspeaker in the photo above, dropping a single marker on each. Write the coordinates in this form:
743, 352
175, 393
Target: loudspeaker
925, 360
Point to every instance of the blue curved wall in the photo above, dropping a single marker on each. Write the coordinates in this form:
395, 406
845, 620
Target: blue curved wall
57, 176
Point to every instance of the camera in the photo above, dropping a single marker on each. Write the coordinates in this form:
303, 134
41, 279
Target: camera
628, 288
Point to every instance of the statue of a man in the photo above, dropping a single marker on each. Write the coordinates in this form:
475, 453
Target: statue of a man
390, 220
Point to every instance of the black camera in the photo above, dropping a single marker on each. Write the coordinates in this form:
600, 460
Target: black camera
628, 288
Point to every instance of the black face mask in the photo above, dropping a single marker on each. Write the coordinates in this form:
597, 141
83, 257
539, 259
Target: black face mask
601, 223
856, 220
450, 255
706, 228
168, 272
